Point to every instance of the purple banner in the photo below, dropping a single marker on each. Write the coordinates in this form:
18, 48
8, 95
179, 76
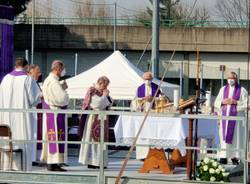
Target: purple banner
6, 40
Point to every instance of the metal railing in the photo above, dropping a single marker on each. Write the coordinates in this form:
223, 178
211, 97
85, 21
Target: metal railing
131, 22
103, 114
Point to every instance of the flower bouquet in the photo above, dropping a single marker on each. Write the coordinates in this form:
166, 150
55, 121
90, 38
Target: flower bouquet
211, 170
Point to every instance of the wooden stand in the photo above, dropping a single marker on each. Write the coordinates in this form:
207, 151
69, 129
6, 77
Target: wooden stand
189, 159
156, 160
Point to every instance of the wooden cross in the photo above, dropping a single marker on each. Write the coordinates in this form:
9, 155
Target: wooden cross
51, 134
60, 133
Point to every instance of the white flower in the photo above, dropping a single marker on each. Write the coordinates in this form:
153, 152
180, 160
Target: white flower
215, 164
205, 167
211, 171
217, 171
223, 170
206, 160
220, 167
225, 174
212, 178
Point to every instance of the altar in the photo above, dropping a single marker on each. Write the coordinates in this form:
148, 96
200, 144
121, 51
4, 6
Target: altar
163, 132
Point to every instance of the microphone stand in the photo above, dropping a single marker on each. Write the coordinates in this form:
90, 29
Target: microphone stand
198, 101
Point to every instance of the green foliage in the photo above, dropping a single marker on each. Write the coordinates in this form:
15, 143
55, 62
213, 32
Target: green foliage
173, 13
18, 5
168, 12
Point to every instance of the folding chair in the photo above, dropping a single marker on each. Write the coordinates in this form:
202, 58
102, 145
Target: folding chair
5, 131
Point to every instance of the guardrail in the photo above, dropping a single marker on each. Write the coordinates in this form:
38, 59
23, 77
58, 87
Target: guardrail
131, 22
103, 114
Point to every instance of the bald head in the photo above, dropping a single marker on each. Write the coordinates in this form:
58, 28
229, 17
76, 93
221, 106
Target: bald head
147, 76
57, 64
57, 67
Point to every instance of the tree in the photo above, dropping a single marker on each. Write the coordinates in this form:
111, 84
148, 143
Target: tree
168, 9
18, 5
174, 12
84, 10
232, 11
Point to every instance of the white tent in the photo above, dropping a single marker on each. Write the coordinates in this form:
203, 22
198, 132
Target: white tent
124, 79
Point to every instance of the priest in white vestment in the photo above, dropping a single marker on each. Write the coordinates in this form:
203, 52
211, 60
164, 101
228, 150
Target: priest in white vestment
97, 98
146, 92
35, 72
18, 90
231, 101
54, 125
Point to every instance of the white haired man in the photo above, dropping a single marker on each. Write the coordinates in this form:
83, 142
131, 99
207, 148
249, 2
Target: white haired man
55, 97
231, 101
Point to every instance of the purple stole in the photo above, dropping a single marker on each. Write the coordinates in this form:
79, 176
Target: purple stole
39, 126
141, 90
51, 130
18, 73
229, 133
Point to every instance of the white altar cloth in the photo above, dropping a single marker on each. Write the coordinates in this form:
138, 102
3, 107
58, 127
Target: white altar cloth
158, 131
162, 131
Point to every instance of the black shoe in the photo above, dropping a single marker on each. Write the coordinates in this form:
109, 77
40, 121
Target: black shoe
63, 165
55, 167
94, 167
223, 161
235, 161
39, 164
35, 164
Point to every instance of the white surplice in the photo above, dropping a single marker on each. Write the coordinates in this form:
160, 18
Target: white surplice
239, 132
55, 96
20, 92
90, 154
142, 152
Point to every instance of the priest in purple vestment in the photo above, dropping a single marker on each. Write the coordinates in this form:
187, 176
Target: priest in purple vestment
145, 93
231, 101
55, 125
147, 90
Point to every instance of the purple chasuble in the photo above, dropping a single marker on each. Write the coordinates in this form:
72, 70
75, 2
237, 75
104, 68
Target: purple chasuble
141, 90
229, 133
18, 73
51, 130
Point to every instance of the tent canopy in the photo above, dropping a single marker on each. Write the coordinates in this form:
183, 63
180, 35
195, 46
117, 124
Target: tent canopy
124, 79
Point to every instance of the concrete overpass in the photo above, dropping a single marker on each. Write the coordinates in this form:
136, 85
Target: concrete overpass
131, 38
217, 46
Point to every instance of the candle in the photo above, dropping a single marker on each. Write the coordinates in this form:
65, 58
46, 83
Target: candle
176, 98
208, 97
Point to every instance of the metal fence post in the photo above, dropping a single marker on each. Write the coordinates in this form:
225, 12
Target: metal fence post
246, 151
101, 171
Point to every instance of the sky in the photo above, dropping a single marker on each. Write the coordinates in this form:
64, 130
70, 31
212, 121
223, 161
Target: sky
65, 7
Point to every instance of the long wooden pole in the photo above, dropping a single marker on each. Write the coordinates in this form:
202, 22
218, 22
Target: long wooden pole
142, 124
197, 110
